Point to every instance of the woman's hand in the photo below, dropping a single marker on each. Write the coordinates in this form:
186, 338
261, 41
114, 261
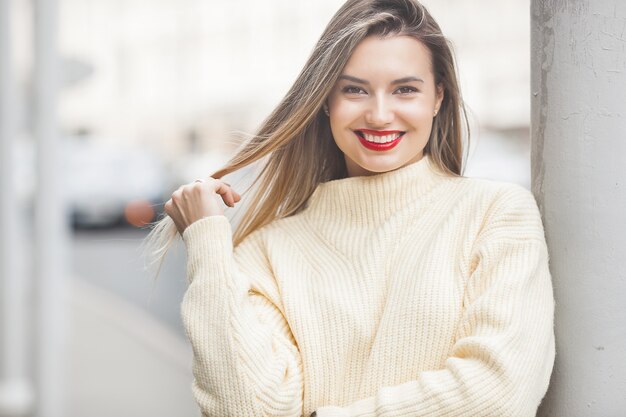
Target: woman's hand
199, 199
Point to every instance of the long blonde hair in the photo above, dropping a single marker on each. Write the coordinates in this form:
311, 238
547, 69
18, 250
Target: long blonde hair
296, 137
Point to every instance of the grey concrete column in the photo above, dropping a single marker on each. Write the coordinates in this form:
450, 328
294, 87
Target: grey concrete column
16, 391
50, 218
579, 178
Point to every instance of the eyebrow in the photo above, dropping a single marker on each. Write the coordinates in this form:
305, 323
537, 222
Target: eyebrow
398, 81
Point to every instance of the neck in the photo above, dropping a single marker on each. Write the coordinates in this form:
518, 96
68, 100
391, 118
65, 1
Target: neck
372, 199
355, 170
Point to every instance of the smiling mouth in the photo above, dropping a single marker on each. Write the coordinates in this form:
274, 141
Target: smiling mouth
379, 137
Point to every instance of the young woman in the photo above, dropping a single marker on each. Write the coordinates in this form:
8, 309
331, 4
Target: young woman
368, 277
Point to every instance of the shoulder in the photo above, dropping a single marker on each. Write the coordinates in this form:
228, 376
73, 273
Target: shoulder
496, 196
508, 210
496, 192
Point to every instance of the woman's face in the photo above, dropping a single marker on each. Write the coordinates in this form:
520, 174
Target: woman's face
382, 107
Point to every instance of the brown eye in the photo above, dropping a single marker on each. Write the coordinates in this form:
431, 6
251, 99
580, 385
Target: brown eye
407, 90
351, 89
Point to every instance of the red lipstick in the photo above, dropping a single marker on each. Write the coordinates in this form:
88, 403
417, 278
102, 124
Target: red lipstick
379, 146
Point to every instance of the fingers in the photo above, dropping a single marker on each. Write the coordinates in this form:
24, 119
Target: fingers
196, 200
229, 196
172, 211
197, 190
227, 193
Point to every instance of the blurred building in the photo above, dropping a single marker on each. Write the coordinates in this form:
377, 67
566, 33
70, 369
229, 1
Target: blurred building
165, 72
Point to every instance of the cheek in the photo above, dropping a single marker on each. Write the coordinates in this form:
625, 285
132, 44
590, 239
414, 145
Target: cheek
416, 113
344, 115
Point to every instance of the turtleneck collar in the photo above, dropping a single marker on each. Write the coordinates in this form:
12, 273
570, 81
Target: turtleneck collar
371, 199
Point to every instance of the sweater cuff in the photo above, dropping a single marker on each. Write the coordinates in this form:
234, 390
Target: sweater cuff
359, 408
209, 243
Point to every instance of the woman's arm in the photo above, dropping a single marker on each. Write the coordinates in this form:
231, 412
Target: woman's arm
246, 362
501, 362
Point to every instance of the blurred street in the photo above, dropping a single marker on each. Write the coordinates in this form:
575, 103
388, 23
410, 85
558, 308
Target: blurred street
125, 327
111, 260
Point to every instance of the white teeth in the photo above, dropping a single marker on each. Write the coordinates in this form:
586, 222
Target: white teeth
381, 139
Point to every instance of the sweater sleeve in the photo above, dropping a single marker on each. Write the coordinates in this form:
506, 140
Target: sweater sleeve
501, 362
246, 361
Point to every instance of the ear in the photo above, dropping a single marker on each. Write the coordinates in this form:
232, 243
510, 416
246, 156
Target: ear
439, 96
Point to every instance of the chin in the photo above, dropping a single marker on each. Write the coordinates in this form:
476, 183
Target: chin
379, 167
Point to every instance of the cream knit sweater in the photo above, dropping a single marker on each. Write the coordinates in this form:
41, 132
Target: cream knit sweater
408, 293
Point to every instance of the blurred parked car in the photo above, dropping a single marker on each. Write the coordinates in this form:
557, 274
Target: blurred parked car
104, 185
109, 186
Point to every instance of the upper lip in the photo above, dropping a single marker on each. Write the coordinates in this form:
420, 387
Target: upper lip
379, 132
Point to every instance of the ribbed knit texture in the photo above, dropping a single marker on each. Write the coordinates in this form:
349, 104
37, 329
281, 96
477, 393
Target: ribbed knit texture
407, 293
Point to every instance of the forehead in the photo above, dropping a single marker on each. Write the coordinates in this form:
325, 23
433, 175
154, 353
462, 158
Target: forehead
393, 56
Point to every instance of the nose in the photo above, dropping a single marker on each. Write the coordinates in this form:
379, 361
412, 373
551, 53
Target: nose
380, 112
